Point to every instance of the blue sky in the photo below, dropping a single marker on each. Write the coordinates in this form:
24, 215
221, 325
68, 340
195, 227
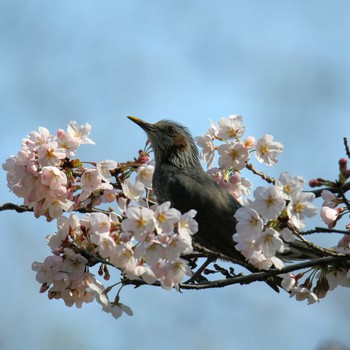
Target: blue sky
283, 65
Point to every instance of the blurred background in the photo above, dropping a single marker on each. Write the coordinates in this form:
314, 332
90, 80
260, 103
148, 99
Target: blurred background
283, 65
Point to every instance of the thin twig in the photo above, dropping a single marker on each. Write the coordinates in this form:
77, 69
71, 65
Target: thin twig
324, 230
345, 200
268, 179
315, 247
347, 149
200, 270
344, 188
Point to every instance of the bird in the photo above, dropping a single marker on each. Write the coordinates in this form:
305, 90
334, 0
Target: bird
179, 178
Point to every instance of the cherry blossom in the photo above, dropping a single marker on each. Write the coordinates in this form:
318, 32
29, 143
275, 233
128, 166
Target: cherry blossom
268, 202
269, 242
329, 216
301, 207
233, 155
207, 146
117, 309
104, 168
54, 178
249, 142
330, 199
230, 128
288, 185
133, 190
267, 150
165, 217
249, 222
139, 222
145, 174
81, 133
288, 281
50, 154
302, 293
187, 225
174, 272
337, 278
36, 138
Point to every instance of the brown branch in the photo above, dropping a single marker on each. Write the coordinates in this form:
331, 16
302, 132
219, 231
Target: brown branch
23, 208
344, 188
315, 247
16, 207
268, 179
247, 279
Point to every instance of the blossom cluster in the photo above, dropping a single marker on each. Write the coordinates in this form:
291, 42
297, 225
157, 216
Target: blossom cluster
39, 172
234, 152
264, 224
300, 292
147, 244
146, 241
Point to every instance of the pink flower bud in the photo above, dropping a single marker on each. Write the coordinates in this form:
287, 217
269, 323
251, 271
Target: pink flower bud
235, 178
314, 183
143, 157
343, 163
60, 132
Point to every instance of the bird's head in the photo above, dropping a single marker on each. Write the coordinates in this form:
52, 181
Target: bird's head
171, 142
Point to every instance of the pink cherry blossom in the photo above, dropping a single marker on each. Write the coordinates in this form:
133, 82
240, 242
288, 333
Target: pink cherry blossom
50, 154
233, 155
166, 217
268, 202
230, 128
267, 150
207, 146
329, 216
145, 175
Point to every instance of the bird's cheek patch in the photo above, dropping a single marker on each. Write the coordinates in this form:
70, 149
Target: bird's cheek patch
180, 143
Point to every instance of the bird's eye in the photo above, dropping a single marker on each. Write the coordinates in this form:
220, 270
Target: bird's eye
171, 129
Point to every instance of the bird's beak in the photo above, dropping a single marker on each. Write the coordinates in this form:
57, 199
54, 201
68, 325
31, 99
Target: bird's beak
144, 125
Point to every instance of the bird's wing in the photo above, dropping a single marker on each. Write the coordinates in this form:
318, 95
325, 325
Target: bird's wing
214, 205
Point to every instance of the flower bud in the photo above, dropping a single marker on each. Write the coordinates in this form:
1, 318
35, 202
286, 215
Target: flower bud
143, 157
235, 178
343, 163
314, 183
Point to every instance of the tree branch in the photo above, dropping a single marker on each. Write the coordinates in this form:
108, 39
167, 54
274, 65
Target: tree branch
23, 208
16, 207
344, 188
268, 179
324, 230
247, 279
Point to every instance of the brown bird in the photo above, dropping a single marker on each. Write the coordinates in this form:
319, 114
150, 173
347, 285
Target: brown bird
180, 179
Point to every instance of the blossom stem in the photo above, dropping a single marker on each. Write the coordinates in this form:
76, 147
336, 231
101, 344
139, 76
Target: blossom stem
268, 179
